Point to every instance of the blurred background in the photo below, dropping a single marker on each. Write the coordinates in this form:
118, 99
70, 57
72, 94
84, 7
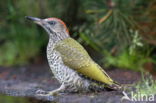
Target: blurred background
116, 33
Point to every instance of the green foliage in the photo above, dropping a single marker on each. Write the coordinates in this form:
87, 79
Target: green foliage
134, 57
114, 31
147, 86
20, 40
127, 61
105, 26
116, 35
9, 99
142, 89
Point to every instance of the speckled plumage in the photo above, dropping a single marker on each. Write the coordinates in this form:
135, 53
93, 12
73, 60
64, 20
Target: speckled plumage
63, 73
70, 62
65, 62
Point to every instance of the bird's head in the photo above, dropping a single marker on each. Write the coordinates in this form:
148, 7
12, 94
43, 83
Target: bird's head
55, 27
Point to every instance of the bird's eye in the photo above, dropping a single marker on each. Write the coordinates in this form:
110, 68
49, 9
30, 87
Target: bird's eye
52, 22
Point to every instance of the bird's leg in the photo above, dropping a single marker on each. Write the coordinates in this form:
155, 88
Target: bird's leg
53, 92
58, 90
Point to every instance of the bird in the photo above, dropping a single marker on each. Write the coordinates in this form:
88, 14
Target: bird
70, 63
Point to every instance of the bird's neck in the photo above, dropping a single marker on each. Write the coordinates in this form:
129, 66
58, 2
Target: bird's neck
50, 47
58, 36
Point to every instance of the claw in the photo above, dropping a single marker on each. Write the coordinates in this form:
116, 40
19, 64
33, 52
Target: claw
41, 92
44, 93
51, 93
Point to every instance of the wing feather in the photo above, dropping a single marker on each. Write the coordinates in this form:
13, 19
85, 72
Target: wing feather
77, 58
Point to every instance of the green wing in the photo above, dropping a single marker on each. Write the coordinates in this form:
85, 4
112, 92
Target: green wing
76, 57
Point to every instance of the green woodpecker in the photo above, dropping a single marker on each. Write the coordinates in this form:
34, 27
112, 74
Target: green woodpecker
69, 61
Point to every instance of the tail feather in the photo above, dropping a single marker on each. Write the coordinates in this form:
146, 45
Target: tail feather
116, 86
96, 86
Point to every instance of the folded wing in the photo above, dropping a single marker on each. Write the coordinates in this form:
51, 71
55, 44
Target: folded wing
76, 57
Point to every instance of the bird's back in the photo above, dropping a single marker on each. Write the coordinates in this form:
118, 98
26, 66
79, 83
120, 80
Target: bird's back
77, 58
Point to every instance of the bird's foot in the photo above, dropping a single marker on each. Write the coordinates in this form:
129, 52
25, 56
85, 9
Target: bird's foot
55, 92
45, 93
41, 92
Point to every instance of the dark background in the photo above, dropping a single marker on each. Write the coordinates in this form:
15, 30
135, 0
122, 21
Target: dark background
109, 29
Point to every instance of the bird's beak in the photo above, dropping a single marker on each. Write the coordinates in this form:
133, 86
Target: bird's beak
34, 19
